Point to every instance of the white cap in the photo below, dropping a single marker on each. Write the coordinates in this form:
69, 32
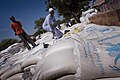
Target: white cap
50, 9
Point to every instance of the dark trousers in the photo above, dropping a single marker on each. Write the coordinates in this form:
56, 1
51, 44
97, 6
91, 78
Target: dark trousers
25, 38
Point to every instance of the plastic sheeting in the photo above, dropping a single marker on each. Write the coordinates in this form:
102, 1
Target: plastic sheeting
97, 52
91, 52
87, 56
58, 62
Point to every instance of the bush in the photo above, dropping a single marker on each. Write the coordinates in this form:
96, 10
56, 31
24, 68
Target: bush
6, 43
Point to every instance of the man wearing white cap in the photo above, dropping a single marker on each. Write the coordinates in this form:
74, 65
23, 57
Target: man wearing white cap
48, 24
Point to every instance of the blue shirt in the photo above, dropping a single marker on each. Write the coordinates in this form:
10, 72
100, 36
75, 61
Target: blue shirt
47, 24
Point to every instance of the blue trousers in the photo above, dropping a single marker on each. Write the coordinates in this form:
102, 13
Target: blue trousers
56, 33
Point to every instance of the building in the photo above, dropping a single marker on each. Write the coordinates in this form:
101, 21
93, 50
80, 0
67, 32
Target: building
109, 12
105, 5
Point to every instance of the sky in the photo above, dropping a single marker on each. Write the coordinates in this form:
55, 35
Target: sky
25, 11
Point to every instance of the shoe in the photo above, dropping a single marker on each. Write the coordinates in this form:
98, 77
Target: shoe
53, 37
45, 45
35, 45
60, 37
29, 48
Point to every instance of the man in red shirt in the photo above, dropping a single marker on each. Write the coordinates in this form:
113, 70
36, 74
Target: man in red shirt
17, 27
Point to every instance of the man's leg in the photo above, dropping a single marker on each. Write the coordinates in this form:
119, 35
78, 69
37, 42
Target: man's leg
58, 33
53, 34
30, 40
25, 41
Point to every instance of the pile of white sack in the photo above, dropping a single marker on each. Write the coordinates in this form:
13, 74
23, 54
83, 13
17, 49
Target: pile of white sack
87, 52
87, 14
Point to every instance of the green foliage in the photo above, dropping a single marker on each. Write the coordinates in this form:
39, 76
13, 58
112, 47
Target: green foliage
38, 32
60, 21
68, 8
38, 26
38, 23
6, 43
57, 23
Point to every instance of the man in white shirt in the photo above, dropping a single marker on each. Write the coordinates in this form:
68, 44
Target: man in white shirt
49, 26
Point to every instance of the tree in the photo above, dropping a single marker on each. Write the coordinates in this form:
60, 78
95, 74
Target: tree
38, 23
38, 26
6, 43
68, 8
